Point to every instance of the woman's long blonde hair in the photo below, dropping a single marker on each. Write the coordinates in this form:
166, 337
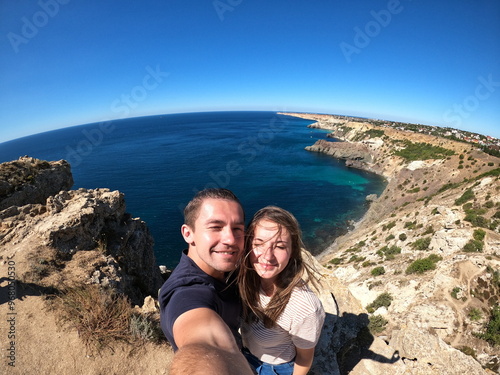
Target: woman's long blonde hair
296, 273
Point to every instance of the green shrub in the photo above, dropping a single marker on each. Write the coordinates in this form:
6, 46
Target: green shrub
494, 224
144, 328
389, 237
403, 236
383, 300
424, 264
468, 350
388, 226
367, 263
475, 314
466, 196
336, 261
455, 291
495, 274
428, 230
474, 246
492, 331
389, 252
489, 204
411, 225
421, 243
477, 220
422, 151
479, 234
377, 271
356, 259
377, 324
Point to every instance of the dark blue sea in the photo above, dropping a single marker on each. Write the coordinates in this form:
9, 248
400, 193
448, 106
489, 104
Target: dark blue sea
159, 162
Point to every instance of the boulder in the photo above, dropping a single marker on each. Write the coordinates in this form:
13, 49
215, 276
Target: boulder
30, 180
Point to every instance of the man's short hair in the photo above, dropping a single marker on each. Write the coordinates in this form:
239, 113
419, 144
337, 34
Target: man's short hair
192, 209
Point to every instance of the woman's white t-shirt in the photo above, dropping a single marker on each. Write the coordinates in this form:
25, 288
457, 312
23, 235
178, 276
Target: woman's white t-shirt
299, 325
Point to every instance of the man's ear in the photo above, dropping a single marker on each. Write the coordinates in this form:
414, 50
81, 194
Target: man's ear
187, 233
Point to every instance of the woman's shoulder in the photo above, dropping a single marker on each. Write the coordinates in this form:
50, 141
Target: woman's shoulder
304, 297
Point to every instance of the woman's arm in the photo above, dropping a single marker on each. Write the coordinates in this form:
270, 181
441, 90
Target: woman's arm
303, 361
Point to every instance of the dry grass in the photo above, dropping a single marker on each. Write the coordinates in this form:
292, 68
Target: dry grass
99, 316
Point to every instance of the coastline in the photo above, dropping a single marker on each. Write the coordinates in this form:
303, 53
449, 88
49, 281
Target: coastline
428, 317
376, 155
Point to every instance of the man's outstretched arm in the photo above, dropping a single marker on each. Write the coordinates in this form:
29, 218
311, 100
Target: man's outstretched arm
207, 345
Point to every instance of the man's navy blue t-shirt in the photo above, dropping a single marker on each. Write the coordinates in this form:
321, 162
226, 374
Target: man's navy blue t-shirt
187, 288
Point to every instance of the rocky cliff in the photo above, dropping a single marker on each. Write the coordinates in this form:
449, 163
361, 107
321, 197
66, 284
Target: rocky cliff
54, 240
425, 261
61, 227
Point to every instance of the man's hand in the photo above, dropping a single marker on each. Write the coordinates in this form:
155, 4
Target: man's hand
206, 346
203, 326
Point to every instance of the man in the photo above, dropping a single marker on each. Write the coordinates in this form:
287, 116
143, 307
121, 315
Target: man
199, 309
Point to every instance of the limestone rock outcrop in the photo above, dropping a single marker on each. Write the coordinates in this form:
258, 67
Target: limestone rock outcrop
343, 150
444, 209
80, 235
29, 180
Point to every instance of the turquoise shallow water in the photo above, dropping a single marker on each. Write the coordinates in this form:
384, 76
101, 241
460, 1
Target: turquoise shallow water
159, 162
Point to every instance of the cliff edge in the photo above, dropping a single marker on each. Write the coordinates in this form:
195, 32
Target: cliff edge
67, 258
424, 262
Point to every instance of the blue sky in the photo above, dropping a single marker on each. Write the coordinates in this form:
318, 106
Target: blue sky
71, 62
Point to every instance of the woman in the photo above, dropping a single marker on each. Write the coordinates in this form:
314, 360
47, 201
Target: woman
282, 317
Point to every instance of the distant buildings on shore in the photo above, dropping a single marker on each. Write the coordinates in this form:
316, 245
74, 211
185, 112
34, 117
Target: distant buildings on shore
486, 142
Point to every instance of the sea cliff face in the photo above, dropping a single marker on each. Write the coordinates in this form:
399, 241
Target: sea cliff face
68, 228
425, 259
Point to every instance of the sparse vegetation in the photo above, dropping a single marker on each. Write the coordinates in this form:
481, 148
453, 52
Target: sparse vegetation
383, 300
99, 316
492, 330
336, 261
424, 264
389, 226
377, 324
455, 291
422, 151
145, 328
468, 350
377, 271
371, 133
465, 197
421, 243
475, 314
476, 244
389, 253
